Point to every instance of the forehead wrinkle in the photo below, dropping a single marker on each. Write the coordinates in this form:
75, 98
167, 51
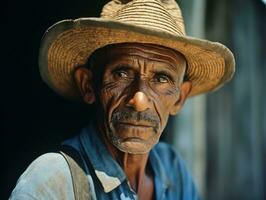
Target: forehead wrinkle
172, 67
130, 57
174, 54
134, 58
141, 65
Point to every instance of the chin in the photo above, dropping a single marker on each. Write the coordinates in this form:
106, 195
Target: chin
133, 139
134, 145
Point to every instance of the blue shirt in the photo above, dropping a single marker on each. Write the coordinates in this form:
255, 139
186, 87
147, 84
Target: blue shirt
48, 177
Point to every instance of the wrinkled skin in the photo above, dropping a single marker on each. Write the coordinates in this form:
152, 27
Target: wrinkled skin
135, 88
139, 90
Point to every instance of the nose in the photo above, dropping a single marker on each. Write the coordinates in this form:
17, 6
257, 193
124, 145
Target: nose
139, 101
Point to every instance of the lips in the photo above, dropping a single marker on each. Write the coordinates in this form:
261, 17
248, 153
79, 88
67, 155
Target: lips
126, 119
136, 124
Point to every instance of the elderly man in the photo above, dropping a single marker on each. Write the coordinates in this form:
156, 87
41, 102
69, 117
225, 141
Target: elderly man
135, 66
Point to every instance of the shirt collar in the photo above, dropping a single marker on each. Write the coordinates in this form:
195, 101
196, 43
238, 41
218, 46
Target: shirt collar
161, 180
107, 170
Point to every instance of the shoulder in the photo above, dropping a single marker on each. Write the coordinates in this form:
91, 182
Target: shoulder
45, 168
47, 177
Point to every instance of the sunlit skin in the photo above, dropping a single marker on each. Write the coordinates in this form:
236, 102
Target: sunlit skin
135, 88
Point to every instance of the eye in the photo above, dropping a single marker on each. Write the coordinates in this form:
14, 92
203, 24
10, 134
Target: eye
120, 73
162, 78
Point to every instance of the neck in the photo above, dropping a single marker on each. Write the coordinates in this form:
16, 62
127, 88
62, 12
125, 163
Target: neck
134, 166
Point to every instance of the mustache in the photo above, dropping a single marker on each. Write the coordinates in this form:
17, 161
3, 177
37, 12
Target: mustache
128, 114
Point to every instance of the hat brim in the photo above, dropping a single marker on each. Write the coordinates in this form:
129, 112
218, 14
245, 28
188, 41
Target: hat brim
68, 44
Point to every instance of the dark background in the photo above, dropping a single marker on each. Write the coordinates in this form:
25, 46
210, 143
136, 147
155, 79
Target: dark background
34, 119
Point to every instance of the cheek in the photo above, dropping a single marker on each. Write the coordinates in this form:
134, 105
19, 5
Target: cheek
111, 95
165, 91
164, 102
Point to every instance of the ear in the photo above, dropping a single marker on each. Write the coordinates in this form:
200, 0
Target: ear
184, 92
83, 79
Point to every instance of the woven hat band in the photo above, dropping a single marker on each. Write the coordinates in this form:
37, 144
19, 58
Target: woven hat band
150, 14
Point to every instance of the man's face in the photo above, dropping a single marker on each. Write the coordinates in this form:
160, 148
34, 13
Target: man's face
139, 88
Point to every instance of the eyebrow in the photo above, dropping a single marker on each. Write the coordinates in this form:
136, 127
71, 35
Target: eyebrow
166, 66
167, 72
121, 66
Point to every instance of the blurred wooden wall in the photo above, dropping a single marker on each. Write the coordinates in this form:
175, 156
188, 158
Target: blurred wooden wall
236, 115
222, 135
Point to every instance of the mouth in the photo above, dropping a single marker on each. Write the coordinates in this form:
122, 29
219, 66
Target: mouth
133, 139
135, 124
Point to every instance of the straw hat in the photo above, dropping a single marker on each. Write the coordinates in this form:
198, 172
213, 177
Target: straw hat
68, 43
